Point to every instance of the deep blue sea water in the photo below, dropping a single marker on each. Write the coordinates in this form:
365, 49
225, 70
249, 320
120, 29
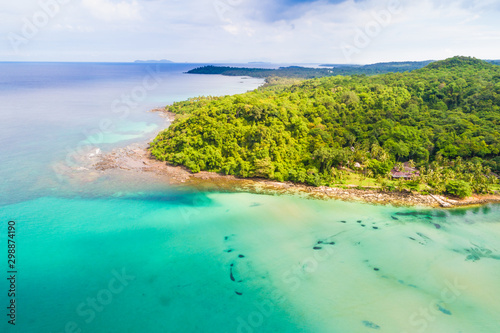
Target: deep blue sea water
141, 256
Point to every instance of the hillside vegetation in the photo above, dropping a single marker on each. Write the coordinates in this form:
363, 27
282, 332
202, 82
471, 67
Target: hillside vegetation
444, 118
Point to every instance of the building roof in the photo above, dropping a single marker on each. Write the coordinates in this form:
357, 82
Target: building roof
407, 171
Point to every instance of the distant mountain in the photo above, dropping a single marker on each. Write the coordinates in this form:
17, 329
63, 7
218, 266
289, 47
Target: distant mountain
163, 61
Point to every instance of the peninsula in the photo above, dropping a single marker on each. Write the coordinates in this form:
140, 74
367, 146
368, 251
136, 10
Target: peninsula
433, 131
316, 72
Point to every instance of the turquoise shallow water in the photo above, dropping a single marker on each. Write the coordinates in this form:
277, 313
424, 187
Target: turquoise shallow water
131, 254
300, 265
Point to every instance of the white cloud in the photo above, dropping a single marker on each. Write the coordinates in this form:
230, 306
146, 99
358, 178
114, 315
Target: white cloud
316, 31
248, 30
110, 11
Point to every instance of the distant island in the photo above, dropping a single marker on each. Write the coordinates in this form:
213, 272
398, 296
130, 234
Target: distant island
163, 61
433, 130
310, 73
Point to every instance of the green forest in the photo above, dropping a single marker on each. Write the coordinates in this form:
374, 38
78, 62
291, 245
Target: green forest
444, 119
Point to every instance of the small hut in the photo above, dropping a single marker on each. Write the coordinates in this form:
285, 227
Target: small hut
407, 173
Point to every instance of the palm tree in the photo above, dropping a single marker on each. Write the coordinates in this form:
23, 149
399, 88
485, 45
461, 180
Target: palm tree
459, 164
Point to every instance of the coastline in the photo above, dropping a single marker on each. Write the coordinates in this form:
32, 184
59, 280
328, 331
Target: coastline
136, 158
162, 112
136, 161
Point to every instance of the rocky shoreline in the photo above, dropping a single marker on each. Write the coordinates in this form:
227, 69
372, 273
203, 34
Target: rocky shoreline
162, 112
137, 159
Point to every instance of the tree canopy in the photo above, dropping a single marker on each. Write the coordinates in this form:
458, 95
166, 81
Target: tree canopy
305, 131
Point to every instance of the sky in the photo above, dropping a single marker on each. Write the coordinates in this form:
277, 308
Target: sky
239, 31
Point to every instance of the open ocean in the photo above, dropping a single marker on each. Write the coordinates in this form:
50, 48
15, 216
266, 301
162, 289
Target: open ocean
111, 256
